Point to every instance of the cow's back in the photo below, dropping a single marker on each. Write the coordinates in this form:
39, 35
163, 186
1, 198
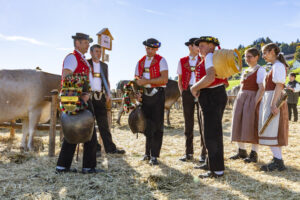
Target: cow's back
22, 90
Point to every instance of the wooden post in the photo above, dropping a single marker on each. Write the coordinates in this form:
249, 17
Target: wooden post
12, 130
52, 132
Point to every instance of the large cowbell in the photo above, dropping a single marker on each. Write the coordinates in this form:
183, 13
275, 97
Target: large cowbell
137, 120
78, 128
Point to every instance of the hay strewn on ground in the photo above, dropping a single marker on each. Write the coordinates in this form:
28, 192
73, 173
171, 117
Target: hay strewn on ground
31, 175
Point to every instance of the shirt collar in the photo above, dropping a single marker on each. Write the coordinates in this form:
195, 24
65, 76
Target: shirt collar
80, 53
193, 58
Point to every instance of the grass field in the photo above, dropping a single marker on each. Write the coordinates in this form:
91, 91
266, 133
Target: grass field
31, 176
233, 83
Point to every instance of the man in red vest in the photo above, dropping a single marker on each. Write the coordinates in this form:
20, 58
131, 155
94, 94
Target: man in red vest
152, 73
76, 63
188, 74
212, 99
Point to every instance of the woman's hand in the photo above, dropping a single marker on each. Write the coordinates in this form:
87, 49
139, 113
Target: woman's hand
274, 110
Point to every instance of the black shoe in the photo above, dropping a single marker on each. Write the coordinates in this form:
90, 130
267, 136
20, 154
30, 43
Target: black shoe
153, 161
60, 171
203, 167
92, 171
202, 159
274, 164
187, 157
145, 158
252, 157
117, 151
210, 175
242, 153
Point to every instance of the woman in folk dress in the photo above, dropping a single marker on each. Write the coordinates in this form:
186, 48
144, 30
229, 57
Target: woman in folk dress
276, 133
243, 129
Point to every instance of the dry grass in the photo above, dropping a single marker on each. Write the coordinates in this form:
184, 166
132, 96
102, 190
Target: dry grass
31, 175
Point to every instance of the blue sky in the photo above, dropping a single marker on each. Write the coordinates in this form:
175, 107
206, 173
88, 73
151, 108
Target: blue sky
38, 32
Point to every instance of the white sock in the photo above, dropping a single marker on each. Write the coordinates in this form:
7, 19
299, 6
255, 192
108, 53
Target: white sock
219, 172
241, 145
255, 147
276, 152
60, 167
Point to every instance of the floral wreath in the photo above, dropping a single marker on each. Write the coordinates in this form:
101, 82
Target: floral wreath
72, 88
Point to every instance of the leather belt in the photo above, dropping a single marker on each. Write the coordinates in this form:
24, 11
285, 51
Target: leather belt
152, 91
97, 75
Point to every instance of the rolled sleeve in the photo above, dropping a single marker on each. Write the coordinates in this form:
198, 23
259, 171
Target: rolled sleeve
279, 73
163, 65
179, 70
70, 62
137, 69
209, 61
261, 73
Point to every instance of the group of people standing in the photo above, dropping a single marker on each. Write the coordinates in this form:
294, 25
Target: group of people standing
199, 87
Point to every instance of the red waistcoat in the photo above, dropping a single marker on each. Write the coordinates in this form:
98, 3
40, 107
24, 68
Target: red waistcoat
82, 66
250, 82
217, 81
154, 69
269, 84
187, 72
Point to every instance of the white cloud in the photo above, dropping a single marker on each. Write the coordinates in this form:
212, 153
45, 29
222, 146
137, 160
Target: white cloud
154, 12
64, 49
22, 38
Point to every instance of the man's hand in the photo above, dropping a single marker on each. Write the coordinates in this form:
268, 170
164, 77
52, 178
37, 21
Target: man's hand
194, 92
138, 96
142, 81
85, 97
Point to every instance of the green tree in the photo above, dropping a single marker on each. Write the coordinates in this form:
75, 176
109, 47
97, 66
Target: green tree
297, 53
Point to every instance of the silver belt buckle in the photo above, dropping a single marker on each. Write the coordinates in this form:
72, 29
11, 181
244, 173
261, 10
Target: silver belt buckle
153, 92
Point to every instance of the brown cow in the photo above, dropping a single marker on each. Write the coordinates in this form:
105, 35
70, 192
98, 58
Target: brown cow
22, 97
171, 95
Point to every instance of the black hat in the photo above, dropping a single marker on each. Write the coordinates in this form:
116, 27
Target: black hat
82, 36
151, 42
191, 41
210, 39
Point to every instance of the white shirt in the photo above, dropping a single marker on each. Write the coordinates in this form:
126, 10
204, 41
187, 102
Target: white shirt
192, 63
209, 61
279, 72
70, 62
96, 81
260, 77
208, 64
162, 64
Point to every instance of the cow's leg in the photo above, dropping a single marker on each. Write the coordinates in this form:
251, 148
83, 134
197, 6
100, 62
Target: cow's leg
34, 117
25, 124
168, 116
121, 111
